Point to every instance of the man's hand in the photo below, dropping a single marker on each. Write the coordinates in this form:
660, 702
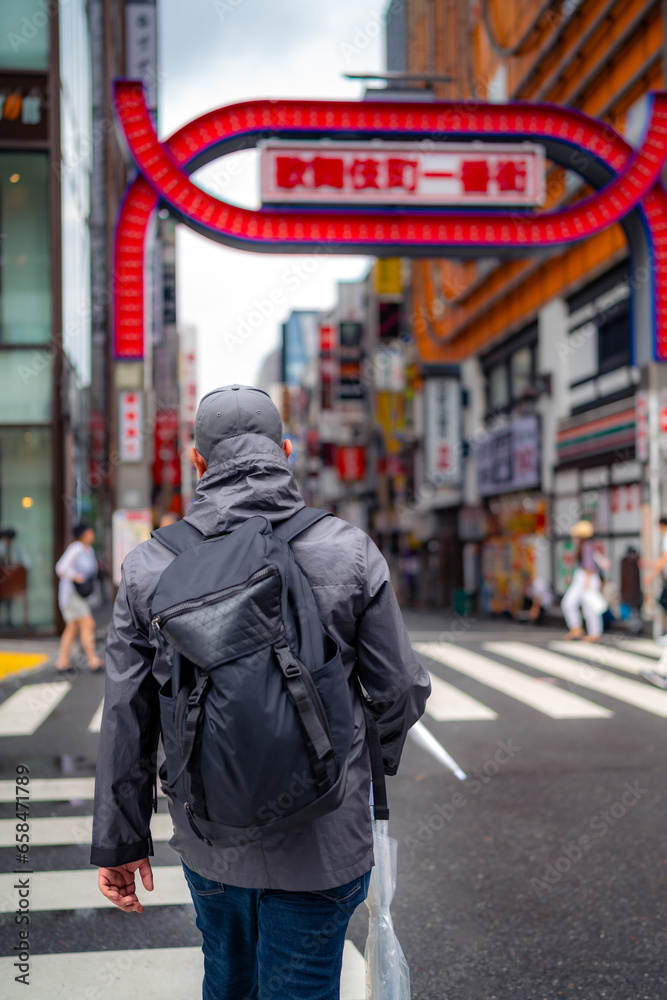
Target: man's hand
117, 884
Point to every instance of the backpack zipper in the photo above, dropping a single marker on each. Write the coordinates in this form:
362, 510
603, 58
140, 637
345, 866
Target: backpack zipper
158, 621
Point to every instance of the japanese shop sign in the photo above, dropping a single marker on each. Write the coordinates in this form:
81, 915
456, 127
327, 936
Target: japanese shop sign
129, 413
442, 420
351, 462
508, 458
403, 173
141, 46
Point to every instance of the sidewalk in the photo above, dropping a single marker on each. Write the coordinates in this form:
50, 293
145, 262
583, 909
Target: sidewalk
19, 657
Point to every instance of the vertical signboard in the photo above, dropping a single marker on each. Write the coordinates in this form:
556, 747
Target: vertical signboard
350, 335
141, 48
641, 426
442, 426
129, 413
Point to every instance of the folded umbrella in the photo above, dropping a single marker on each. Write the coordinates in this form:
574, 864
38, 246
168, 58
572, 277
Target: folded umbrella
387, 972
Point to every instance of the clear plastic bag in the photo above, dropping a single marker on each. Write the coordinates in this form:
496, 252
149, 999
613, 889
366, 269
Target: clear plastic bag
387, 972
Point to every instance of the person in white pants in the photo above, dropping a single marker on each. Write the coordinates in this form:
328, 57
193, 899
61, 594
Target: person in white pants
585, 591
659, 675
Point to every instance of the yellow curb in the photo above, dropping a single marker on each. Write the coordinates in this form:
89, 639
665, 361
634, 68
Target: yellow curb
12, 663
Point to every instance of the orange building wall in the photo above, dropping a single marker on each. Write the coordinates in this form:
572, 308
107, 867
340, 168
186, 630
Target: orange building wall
600, 60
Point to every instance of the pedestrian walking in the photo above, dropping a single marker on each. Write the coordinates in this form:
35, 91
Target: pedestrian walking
273, 896
659, 675
77, 570
584, 593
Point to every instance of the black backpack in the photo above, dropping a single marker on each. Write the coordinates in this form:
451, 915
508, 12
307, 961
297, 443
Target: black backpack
257, 717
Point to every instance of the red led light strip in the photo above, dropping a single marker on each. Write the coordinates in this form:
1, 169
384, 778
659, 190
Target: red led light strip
164, 166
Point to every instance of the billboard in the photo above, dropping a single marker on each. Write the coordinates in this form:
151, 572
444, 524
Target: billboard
442, 431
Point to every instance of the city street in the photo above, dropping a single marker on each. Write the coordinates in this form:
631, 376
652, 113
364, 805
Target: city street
541, 876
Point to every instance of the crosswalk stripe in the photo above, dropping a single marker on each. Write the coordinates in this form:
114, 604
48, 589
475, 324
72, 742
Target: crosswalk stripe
77, 889
605, 656
96, 721
25, 710
154, 973
549, 700
448, 704
51, 831
55, 790
645, 646
584, 675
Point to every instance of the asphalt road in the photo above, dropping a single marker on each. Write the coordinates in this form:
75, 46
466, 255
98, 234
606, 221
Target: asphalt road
543, 875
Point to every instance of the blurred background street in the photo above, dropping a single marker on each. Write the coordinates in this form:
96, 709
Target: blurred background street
460, 310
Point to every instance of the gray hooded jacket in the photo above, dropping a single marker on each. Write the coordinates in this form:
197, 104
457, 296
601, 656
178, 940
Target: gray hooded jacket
249, 475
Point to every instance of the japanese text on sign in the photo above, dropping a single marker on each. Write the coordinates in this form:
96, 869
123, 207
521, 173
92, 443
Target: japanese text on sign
449, 173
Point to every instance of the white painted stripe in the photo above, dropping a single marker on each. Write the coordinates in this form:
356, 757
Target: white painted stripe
51, 831
27, 708
77, 889
549, 700
353, 974
55, 790
153, 974
645, 646
584, 675
605, 656
96, 721
448, 704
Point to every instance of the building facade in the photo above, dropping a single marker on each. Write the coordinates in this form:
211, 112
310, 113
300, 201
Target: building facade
45, 364
553, 403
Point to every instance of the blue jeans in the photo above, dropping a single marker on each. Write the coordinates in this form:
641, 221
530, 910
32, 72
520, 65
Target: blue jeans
269, 944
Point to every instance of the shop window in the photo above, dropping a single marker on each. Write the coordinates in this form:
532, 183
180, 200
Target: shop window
522, 364
25, 260
614, 343
510, 369
26, 529
24, 34
498, 387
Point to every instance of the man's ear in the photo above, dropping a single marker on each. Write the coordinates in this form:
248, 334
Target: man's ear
287, 447
199, 462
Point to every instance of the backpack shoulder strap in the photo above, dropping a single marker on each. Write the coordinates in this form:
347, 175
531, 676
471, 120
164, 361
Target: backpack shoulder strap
178, 537
294, 525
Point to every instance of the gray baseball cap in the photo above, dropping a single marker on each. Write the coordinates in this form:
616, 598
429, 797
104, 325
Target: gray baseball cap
233, 410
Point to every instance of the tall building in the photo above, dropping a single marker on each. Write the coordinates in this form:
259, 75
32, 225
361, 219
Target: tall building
548, 373
45, 363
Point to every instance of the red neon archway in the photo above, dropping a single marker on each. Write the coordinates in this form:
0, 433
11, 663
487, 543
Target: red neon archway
164, 169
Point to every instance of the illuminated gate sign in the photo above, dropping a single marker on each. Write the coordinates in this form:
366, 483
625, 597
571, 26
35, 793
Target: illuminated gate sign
392, 173
626, 181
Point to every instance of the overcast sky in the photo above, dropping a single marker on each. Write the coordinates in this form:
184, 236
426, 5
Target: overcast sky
216, 52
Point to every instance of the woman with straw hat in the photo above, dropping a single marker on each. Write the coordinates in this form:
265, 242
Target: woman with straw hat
584, 593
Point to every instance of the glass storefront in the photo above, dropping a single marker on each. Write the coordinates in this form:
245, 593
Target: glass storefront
26, 395
26, 529
25, 264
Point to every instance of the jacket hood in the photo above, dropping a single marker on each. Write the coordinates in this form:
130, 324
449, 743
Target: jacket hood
247, 475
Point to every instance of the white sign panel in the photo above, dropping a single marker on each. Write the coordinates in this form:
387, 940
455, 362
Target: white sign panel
141, 47
402, 173
129, 415
508, 458
128, 529
442, 425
